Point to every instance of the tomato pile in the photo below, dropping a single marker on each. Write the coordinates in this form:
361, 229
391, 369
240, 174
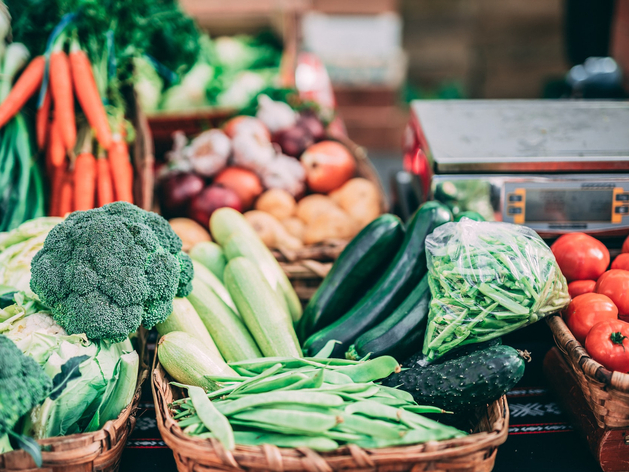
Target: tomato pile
599, 310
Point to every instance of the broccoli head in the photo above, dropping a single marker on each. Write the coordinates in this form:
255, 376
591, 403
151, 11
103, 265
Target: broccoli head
23, 384
103, 272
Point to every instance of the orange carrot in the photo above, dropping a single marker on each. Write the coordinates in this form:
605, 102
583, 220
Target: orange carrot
121, 170
61, 89
66, 194
104, 185
88, 96
42, 125
84, 181
23, 89
56, 182
55, 146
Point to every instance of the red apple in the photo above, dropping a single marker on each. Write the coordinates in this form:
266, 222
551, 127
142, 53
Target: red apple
210, 199
328, 166
245, 183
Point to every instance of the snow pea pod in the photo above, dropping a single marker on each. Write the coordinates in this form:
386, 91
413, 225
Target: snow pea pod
213, 420
274, 398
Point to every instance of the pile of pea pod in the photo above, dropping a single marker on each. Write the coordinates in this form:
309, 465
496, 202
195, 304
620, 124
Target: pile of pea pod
312, 402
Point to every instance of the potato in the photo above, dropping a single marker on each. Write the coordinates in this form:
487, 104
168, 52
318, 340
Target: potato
189, 231
360, 199
310, 207
335, 224
277, 202
271, 231
295, 226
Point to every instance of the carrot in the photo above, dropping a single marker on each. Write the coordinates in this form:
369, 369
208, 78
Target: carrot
88, 96
61, 89
55, 146
23, 89
56, 182
104, 185
66, 194
42, 125
84, 181
121, 170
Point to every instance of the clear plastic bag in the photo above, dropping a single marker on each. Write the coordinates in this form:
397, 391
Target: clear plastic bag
487, 280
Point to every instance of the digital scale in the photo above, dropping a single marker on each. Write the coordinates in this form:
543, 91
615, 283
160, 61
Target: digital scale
556, 166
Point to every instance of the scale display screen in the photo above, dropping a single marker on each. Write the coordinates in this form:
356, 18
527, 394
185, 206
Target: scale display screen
569, 205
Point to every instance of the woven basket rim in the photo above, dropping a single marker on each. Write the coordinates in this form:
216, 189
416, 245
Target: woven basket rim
579, 357
85, 447
212, 450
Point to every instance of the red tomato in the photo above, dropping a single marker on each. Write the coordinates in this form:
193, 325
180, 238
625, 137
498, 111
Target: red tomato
579, 287
625, 245
615, 284
608, 343
621, 262
580, 256
586, 310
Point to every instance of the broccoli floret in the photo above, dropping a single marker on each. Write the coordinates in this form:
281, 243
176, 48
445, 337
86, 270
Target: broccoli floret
23, 384
103, 272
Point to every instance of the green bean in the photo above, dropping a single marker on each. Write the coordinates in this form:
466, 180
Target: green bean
375, 428
315, 422
258, 378
281, 440
190, 421
213, 420
397, 393
335, 377
378, 368
414, 436
275, 397
421, 409
327, 350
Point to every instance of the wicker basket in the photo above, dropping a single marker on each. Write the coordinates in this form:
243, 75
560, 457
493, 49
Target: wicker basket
99, 451
473, 453
606, 392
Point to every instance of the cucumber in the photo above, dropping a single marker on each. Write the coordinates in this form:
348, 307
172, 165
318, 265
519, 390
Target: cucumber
399, 334
188, 361
402, 275
444, 215
353, 273
458, 384
419, 357
260, 309
185, 318
209, 279
211, 256
229, 332
232, 231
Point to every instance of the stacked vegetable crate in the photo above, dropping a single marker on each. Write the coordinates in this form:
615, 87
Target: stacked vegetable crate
475, 452
98, 451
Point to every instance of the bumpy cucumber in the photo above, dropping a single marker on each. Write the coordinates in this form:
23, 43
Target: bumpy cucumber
475, 379
354, 272
400, 333
400, 278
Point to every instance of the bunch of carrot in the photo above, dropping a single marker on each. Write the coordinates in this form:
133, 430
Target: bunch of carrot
89, 179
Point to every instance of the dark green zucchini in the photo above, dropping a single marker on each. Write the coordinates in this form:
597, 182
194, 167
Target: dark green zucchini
399, 334
402, 275
458, 384
354, 272
472, 215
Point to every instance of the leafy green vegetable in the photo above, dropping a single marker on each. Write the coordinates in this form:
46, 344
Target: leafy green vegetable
69, 371
104, 271
486, 280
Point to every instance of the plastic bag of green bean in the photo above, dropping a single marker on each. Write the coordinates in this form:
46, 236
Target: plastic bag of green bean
487, 280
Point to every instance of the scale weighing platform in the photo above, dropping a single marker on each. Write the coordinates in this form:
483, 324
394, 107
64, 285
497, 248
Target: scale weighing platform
556, 166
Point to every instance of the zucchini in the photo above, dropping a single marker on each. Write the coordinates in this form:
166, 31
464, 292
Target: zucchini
472, 215
231, 335
185, 318
211, 256
402, 275
232, 231
209, 279
470, 380
188, 361
260, 309
399, 334
353, 273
